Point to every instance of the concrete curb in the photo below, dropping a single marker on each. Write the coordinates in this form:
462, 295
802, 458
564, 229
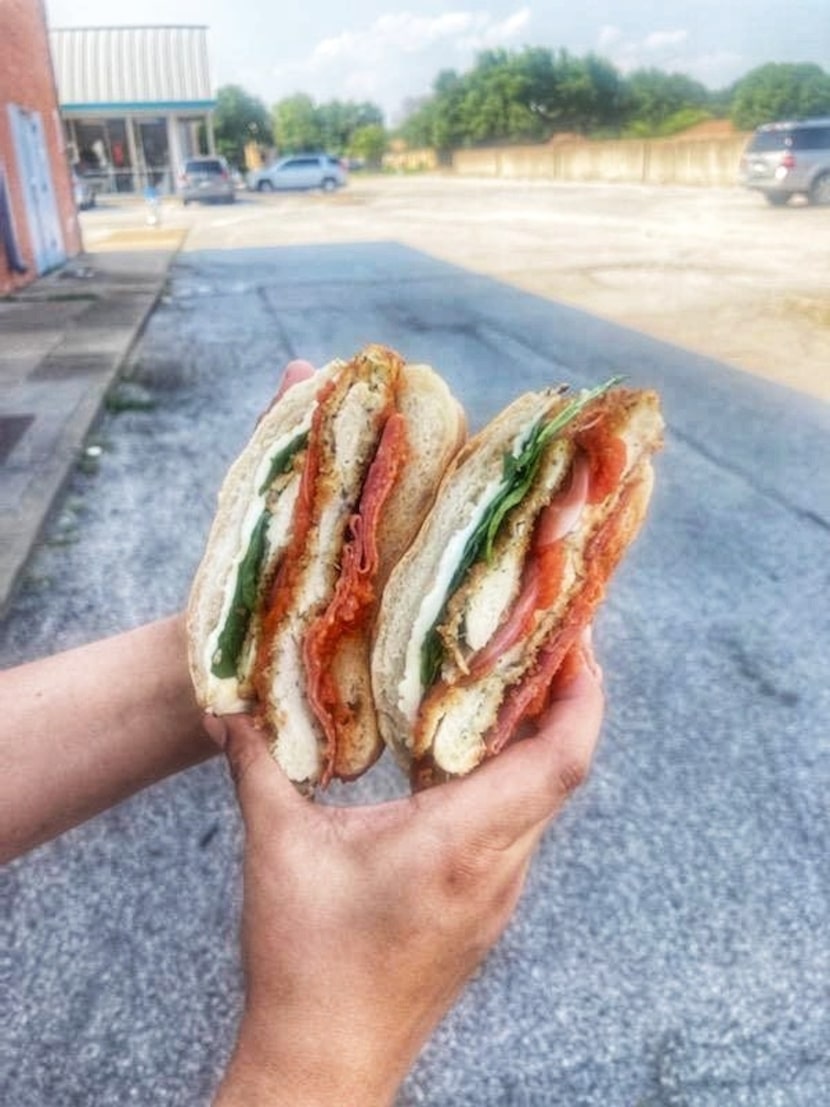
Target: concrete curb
66, 340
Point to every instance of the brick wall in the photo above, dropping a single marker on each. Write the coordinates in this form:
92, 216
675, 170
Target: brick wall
26, 79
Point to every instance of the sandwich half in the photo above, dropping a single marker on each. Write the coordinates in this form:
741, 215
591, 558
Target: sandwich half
510, 564
311, 518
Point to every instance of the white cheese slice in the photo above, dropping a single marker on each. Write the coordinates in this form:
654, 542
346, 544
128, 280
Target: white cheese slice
410, 688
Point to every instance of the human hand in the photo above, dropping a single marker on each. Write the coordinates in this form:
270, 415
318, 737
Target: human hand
361, 925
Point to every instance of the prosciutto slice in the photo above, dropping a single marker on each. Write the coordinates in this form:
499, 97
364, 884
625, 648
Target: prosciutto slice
354, 597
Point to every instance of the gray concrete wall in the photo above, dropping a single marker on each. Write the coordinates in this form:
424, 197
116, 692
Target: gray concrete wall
704, 161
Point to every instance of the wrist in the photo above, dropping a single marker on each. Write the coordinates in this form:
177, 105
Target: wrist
272, 1070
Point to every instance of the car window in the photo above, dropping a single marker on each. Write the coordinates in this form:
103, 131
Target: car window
204, 165
766, 142
811, 138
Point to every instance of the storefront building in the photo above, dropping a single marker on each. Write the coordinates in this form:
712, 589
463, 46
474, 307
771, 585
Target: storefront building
136, 102
38, 223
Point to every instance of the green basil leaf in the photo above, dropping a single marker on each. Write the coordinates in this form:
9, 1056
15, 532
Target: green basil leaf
518, 474
232, 637
283, 461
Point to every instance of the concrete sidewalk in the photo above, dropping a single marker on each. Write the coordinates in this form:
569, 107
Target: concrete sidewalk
63, 342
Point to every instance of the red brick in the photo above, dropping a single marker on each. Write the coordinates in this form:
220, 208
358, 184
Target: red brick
27, 79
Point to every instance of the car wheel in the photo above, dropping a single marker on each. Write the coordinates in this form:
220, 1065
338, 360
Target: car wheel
777, 199
265, 186
820, 191
329, 184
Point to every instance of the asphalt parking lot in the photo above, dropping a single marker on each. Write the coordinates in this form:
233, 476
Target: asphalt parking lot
671, 947
716, 271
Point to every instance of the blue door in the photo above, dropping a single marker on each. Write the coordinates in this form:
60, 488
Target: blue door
39, 194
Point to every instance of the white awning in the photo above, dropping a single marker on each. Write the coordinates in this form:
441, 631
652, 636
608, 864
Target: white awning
123, 68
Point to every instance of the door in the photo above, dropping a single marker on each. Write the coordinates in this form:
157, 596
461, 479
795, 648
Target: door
38, 190
298, 173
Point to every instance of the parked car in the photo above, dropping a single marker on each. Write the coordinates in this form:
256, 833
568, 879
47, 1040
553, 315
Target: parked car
783, 160
206, 178
300, 171
84, 191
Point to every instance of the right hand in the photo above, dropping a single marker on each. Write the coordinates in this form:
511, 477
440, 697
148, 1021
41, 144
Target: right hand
361, 925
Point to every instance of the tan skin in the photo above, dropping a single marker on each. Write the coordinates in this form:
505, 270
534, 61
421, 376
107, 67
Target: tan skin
360, 925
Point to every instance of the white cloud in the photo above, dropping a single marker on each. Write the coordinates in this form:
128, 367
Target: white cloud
671, 51
609, 37
407, 33
661, 48
662, 40
399, 53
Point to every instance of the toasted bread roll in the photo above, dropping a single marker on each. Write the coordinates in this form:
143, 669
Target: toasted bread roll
509, 566
312, 516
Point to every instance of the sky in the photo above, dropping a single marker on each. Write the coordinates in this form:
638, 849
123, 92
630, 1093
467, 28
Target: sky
375, 50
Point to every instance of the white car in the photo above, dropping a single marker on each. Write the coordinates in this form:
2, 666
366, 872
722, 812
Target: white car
298, 172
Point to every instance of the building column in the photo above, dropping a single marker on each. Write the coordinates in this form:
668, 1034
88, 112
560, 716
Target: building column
211, 138
174, 150
132, 150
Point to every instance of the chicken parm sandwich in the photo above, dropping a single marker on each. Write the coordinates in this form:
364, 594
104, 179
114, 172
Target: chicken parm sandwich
324, 499
530, 521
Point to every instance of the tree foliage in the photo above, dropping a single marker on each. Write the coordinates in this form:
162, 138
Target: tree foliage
368, 142
297, 125
239, 118
301, 126
655, 102
531, 94
780, 92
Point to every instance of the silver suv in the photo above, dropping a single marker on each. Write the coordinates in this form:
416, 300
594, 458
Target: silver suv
783, 160
206, 178
300, 171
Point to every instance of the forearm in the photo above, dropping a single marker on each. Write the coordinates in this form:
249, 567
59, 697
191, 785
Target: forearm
84, 729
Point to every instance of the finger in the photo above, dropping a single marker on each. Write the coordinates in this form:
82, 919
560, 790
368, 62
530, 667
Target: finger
520, 790
295, 371
262, 788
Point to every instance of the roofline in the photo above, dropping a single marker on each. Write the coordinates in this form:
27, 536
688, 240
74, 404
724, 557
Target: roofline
137, 27
121, 106
810, 121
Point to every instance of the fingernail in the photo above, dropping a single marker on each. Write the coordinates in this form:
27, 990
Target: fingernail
216, 730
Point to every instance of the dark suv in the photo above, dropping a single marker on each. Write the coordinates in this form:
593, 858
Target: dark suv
787, 159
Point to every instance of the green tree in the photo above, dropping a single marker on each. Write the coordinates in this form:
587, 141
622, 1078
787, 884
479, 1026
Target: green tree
368, 143
780, 91
239, 118
521, 96
300, 125
340, 119
658, 103
296, 125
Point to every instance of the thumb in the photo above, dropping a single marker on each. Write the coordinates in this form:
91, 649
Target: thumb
262, 788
